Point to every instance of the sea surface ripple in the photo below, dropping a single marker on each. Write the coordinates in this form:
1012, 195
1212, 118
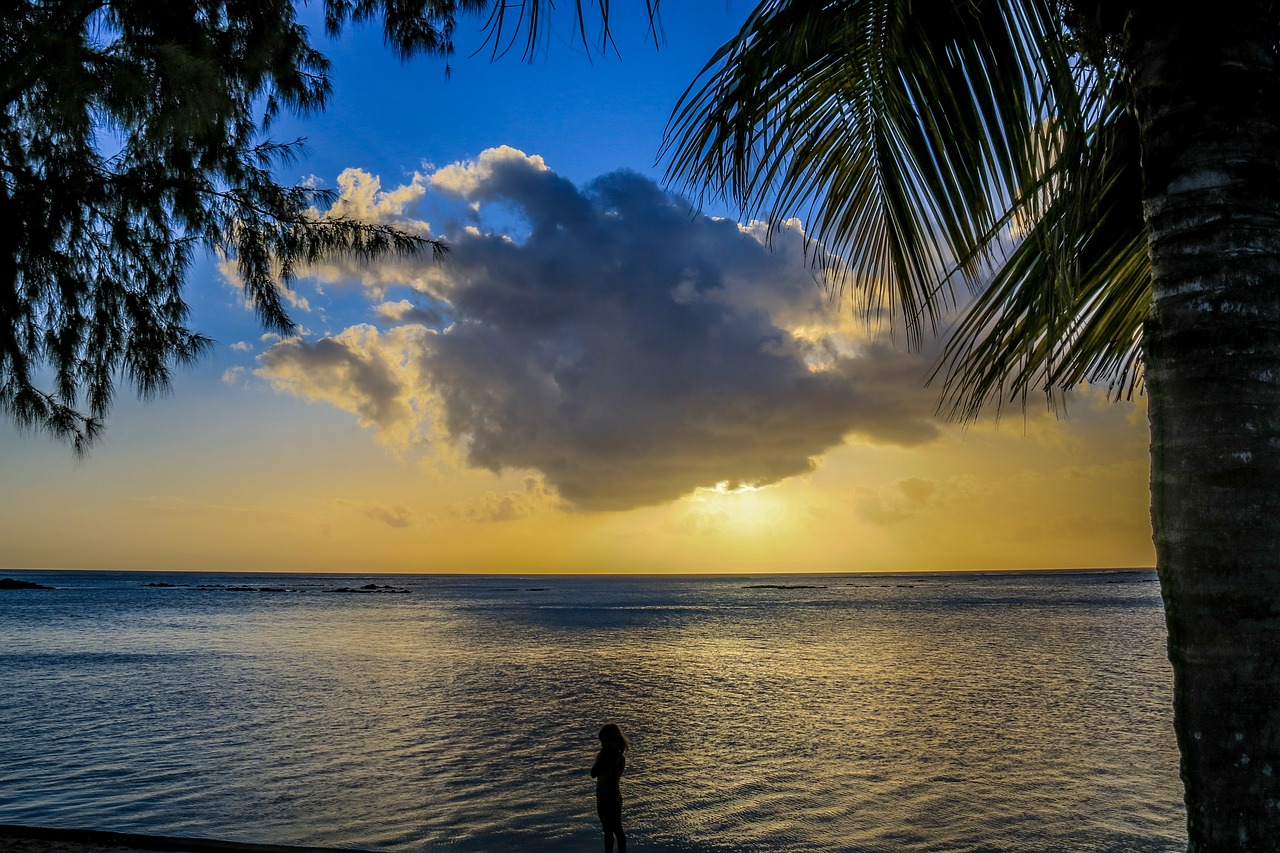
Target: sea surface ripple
1024, 712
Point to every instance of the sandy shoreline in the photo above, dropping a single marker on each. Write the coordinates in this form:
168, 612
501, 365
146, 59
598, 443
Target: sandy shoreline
35, 839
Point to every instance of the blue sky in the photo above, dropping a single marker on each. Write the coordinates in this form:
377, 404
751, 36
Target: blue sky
586, 112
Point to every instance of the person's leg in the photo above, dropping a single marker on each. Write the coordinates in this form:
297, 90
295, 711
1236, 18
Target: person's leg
613, 833
605, 810
611, 821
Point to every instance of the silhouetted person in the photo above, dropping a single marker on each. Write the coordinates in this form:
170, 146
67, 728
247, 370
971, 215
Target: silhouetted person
607, 771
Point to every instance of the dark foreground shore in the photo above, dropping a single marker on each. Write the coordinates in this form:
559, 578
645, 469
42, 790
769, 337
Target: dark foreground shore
35, 839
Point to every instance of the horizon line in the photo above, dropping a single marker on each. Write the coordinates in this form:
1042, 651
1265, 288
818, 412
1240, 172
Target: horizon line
382, 573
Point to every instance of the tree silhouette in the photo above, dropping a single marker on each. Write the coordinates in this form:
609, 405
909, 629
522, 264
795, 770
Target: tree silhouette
134, 135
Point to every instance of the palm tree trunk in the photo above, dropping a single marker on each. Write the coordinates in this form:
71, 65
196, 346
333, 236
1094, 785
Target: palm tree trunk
1208, 101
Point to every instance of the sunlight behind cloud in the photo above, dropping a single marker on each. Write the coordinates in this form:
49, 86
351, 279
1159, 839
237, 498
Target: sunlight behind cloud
742, 510
563, 382
623, 376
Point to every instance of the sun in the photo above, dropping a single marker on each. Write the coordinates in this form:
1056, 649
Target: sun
743, 508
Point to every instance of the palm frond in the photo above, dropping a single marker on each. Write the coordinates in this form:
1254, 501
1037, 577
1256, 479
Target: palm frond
904, 135
529, 23
1068, 303
928, 145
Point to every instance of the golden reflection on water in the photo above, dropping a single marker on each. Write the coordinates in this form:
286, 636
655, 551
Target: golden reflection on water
897, 718
858, 714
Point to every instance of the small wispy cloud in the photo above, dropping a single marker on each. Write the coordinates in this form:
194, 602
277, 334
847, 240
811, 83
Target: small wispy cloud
398, 516
511, 506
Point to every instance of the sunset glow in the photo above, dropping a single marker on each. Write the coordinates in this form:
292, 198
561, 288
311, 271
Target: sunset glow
599, 378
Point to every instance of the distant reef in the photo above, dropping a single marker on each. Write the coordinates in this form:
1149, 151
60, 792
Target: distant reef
10, 583
219, 587
783, 586
369, 588
242, 588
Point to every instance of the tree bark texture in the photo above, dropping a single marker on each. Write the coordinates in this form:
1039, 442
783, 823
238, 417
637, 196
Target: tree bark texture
1208, 103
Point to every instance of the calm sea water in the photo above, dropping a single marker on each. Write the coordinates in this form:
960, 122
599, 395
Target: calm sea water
1025, 712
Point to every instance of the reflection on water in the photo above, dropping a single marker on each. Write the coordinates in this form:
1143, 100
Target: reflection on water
970, 713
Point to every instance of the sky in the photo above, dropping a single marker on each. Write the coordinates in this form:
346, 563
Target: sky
602, 376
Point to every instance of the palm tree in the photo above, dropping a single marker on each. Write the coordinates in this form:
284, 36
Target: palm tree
1105, 180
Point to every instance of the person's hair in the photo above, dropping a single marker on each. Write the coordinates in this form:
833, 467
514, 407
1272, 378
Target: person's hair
610, 733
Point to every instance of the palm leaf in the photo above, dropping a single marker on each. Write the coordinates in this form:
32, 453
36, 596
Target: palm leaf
1068, 303
931, 144
530, 22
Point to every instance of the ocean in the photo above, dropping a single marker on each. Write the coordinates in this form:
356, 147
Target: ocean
905, 713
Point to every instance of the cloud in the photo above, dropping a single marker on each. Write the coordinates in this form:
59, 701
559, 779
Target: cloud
625, 347
368, 373
510, 506
397, 313
927, 500
230, 274
234, 376
398, 516
474, 179
896, 502
360, 196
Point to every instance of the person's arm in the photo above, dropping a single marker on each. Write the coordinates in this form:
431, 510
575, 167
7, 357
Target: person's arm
595, 768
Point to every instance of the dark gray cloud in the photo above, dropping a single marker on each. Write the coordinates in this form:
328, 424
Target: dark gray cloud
630, 349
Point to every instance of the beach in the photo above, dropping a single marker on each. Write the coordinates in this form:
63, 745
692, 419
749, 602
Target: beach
15, 838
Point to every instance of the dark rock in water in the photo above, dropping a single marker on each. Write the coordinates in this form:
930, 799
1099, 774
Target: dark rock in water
369, 588
163, 585
10, 583
783, 586
222, 587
